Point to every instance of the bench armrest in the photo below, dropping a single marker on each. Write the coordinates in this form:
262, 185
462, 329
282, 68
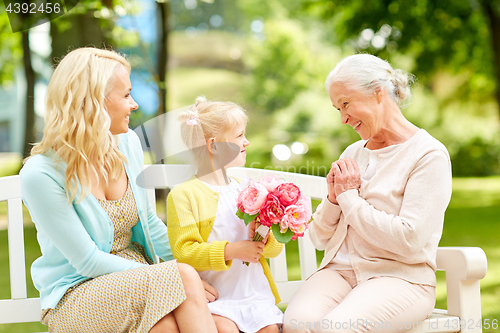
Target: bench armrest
464, 267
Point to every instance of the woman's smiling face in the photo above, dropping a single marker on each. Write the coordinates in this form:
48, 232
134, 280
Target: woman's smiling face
119, 103
358, 110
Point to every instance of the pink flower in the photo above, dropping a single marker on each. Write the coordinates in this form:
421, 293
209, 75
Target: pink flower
270, 182
296, 219
272, 211
283, 225
253, 197
287, 193
239, 201
303, 201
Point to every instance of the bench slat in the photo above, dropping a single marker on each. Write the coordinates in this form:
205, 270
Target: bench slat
20, 310
437, 322
278, 267
16, 248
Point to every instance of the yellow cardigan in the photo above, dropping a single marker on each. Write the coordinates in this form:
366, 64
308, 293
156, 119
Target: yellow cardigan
191, 210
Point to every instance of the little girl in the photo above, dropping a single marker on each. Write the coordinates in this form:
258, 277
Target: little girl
204, 230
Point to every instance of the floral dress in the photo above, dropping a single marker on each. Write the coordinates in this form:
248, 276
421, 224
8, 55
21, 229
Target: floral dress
128, 301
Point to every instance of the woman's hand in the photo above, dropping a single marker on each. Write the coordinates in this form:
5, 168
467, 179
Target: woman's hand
210, 292
343, 176
330, 183
246, 250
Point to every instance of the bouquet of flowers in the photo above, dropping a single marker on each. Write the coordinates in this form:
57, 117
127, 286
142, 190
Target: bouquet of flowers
275, 204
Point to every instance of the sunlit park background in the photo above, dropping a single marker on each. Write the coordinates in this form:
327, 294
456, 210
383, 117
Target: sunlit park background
272, 57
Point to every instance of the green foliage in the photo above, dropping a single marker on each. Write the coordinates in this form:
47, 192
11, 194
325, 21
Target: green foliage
477, 157
199, 16
472, 220
34, 13
438, 35
269, 9
10, 167
282, 237
280, 65
191, 51
247, 218
11, 51
185, 84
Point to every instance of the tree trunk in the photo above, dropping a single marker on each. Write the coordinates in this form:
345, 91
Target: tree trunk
85, 31
494, 18
163, 30
29, 130
163, 7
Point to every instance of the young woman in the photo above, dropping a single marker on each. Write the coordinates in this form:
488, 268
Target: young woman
98, 235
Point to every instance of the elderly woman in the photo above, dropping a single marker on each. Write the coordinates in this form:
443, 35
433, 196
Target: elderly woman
382, 220
98, 234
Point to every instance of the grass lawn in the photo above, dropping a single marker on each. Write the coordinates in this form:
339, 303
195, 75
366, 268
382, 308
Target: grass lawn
471, 220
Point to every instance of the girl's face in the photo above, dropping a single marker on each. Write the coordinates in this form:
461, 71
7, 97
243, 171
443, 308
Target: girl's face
119, 103
237, 137
357, 110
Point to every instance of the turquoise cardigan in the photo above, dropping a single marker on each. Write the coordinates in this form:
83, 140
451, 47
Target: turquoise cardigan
76, 239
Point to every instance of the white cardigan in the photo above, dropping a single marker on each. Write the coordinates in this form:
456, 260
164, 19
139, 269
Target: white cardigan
393, 224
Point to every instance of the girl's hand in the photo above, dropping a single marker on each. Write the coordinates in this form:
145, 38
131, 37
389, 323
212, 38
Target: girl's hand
246, 250
346, 176
210, 292
252, 226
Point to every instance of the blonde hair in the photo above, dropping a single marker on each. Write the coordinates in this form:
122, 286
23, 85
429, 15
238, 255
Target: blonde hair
209, 120
76, 121
366, 73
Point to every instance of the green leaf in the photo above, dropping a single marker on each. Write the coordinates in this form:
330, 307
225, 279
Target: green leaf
281, 237
240, 214
249, 218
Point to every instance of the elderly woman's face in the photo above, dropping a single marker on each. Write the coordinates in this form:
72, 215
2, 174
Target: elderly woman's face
119, 103
357, 110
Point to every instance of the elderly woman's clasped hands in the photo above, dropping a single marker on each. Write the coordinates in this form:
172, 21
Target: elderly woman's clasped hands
343, 176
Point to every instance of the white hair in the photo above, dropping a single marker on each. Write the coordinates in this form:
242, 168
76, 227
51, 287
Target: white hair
366, 73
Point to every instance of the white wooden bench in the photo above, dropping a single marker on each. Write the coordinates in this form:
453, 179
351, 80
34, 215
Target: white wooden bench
19, 308
464, 267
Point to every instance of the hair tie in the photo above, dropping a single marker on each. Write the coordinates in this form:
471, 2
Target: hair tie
193, 121
194, 118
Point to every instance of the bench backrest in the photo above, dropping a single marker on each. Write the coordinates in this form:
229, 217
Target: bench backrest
313, 187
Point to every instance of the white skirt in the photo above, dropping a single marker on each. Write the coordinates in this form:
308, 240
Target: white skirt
248, 317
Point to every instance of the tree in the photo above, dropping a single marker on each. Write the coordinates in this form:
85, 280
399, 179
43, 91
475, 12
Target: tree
461, 36
18, 44
11, 50
82, 26
280, 65
30, 75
